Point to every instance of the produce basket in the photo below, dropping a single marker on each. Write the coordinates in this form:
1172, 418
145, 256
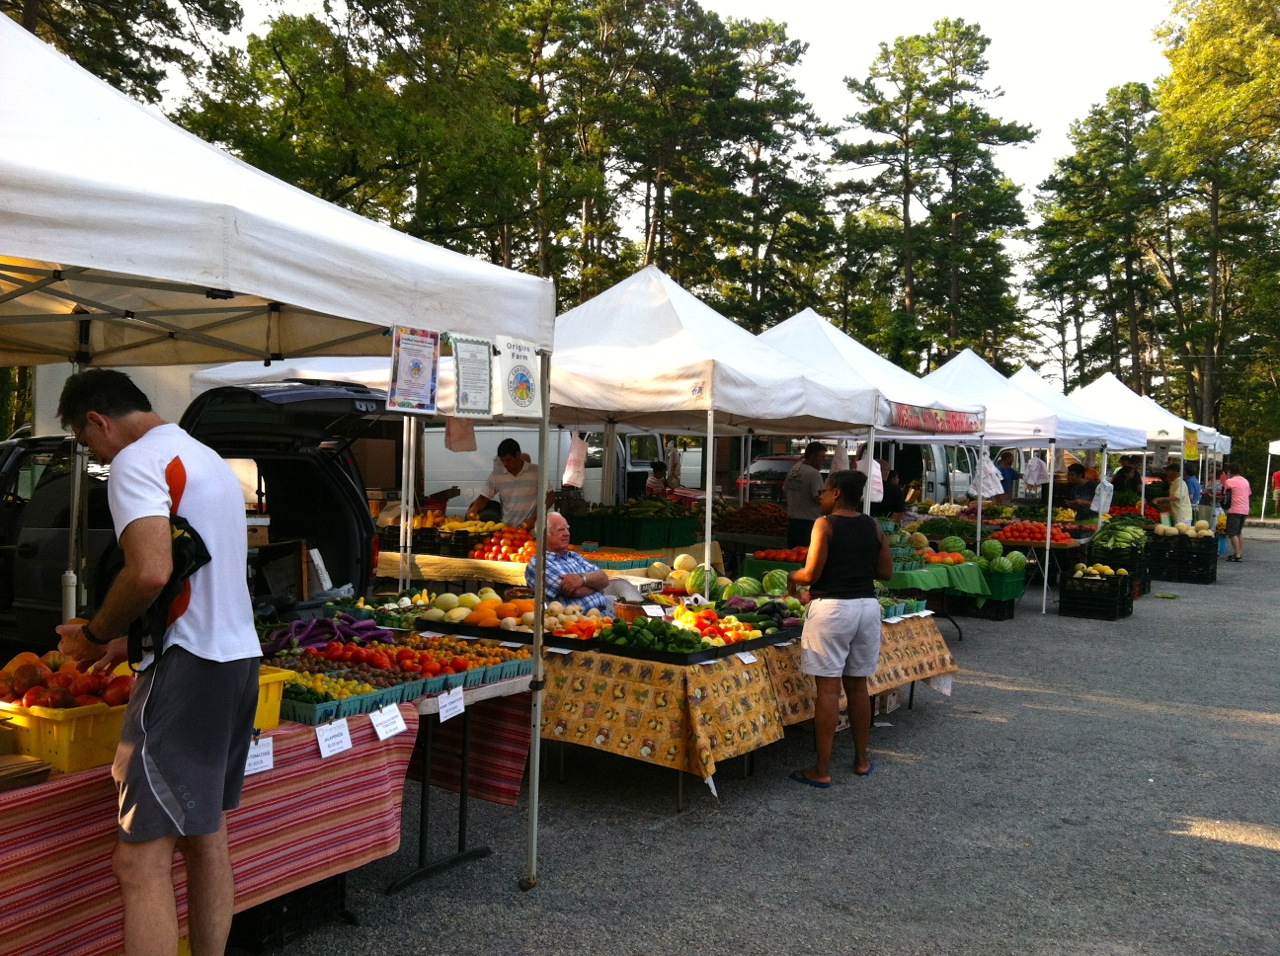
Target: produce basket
475, 676
313, 714
271, 681
68, 739
1005, 585
1109, 586
682, 532
1095, 607
966, 605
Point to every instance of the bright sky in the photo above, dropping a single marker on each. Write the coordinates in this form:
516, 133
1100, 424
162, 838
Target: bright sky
1053, 61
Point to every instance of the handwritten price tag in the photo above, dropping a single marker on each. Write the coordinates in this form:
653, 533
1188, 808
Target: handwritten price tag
654, 610
388, 722
451, 704
746, 657
262, 756
333, 738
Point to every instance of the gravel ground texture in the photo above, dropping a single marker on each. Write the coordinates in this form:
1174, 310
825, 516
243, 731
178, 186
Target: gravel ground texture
1090, 788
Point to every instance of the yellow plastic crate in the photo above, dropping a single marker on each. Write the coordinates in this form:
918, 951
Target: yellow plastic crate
68, 739
271, 681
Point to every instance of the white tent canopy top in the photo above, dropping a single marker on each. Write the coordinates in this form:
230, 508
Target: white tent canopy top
647, 353
905, 404
125, 240
1107, 395
1014, 416
1117, 435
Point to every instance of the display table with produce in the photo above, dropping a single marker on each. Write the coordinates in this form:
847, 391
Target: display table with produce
427, 567
692, 716
302, 821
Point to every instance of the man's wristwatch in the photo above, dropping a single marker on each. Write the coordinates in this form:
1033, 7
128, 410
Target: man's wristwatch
91, 637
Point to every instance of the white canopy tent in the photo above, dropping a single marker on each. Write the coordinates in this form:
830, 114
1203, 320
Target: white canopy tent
1273, 448
647, 353
126, 241
1108, 397
1117, 435
1016, 417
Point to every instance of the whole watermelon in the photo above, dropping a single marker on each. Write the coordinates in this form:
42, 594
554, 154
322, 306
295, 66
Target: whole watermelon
983, 564
775, 582
1001, 565
991, 548
968, 554
749, 587
951, 543
697, 581
1017, 561
728, 591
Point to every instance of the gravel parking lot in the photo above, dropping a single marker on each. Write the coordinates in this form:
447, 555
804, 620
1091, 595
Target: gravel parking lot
1089, 789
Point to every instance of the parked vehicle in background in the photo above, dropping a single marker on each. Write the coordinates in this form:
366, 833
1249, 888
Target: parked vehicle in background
766, 477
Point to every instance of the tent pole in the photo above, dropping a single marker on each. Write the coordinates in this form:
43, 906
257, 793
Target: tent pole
609, 487
1048, 534
982, 456
1102, 476
530, 878
406, 502
871, 466
1266, 487
709, 466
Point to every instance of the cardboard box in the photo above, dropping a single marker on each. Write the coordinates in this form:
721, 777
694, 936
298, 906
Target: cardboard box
259, 530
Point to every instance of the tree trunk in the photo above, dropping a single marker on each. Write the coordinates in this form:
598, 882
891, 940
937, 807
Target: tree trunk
1207, 413
30, 15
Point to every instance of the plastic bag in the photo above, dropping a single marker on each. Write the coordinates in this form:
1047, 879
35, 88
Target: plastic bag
1036, 472
459, 434
840, 458
871, 468
575, 468
990, 482
1102, 497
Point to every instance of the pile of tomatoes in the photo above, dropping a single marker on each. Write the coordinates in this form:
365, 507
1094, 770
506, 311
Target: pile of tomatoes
57, 681
1032, 532
796, 555
509, 544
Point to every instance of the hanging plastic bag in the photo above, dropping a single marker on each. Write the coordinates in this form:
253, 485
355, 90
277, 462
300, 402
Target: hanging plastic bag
840, 458
1102, 497
990, 482
871, 468
575, 468
1036, 472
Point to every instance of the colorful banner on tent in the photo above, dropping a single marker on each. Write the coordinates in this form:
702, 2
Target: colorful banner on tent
917, 418
415, 370
1190, 444
473, 375
518, 393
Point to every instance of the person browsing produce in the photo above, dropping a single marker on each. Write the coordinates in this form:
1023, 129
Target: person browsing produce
571, 578
803, 484
1177, 499
1080, 497
189, 722
1236, 489
840, 643
515, 483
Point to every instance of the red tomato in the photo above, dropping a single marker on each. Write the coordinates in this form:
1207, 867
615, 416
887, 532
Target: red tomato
32, 696
59, 679
459, 664
118, 691
84, 700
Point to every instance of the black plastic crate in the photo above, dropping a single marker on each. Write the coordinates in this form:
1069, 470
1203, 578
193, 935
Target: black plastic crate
1133, 560
287, 918
992, 609
1096, 609
1108, 587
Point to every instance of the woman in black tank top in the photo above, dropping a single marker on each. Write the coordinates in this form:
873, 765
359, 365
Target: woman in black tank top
847, 553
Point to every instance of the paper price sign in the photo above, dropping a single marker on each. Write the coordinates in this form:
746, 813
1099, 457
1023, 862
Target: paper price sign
451, 704
388, 722
746, 657
654, 610
262, 756
333, 738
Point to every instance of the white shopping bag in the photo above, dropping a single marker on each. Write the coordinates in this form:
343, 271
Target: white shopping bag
990, 483
871, 468
575, 468
840, 458
1102, 497
1036, 472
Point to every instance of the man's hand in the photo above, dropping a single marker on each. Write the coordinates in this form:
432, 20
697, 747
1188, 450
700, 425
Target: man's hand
88, 655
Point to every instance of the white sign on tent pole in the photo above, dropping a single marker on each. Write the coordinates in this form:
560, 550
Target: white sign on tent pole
517, 387
415, 367
473, 375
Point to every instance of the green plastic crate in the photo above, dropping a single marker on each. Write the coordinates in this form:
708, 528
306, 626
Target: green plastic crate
1005, 585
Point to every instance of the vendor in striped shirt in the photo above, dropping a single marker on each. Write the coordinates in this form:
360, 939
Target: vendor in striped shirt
515, 484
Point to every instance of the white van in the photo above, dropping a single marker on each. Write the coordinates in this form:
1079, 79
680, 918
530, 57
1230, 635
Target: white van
468, 470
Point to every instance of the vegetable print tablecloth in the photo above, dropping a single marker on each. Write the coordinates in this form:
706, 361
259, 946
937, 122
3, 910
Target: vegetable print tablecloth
690, 717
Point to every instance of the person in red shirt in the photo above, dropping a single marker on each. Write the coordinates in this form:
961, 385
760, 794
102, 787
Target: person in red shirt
1275, 487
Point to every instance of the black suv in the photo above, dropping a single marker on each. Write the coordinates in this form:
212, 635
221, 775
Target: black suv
294, 445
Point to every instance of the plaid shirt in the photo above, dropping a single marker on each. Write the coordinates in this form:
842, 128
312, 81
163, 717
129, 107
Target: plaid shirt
560, 563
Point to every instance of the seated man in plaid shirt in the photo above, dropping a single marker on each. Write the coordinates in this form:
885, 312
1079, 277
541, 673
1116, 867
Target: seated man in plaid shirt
571, 578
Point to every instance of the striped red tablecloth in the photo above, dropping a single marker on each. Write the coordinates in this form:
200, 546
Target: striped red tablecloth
302, 821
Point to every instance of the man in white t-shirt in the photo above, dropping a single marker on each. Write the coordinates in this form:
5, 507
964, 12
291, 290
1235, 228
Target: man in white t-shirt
189, 721
803, 485
515, 484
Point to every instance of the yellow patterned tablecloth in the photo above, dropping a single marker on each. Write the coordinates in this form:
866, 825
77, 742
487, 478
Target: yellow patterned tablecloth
689, 717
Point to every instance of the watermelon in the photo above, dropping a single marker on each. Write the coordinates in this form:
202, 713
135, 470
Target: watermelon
775, 582
951, 543
1001, 565
968, 554
749, 587
728, 591
1017, 561
984, 564
698, 580
991, 548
